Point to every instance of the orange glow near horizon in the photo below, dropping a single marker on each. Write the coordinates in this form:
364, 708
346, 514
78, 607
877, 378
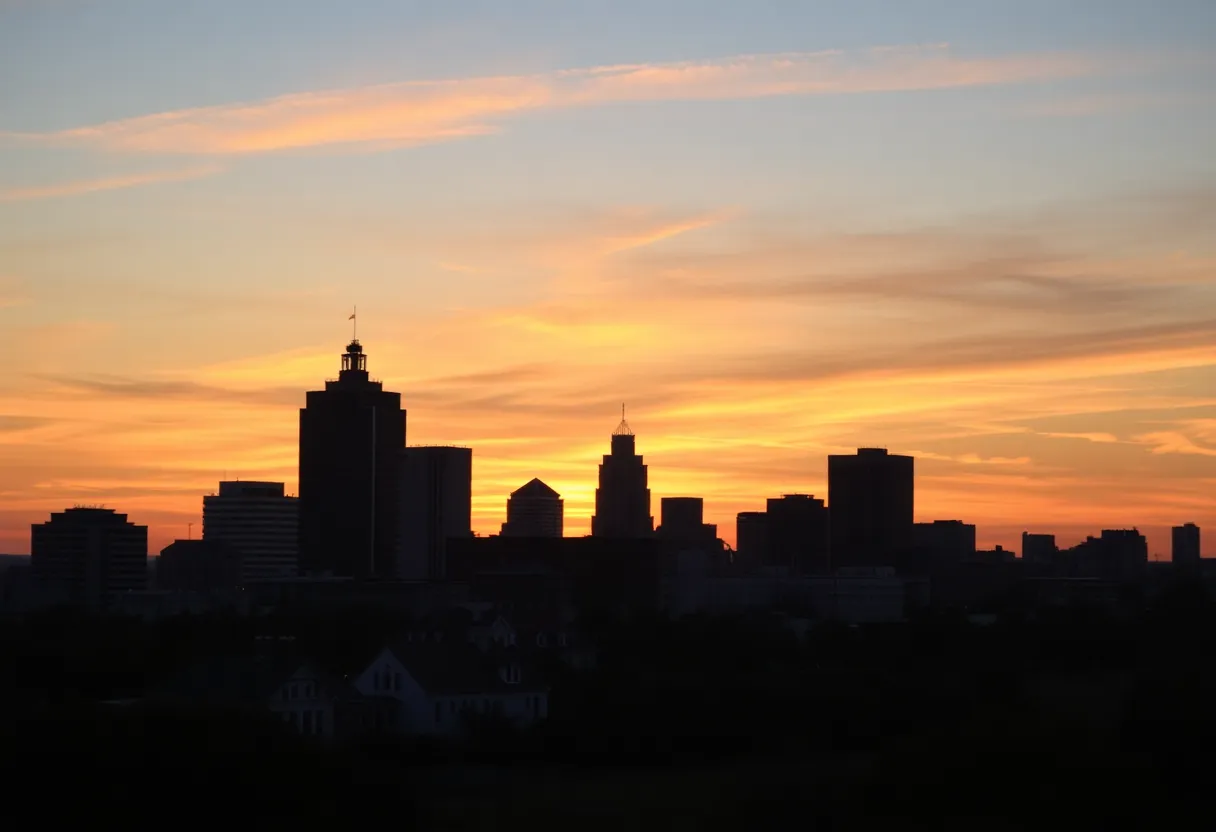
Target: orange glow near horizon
770, 257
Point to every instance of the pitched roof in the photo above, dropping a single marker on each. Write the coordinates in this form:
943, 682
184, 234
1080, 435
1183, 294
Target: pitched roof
452, 669
535, 488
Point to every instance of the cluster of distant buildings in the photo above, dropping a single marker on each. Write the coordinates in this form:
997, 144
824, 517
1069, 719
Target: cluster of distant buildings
378, 517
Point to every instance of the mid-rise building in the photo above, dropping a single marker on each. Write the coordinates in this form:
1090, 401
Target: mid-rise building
622, 501
351, 437
260, 521
1039, 548
682, 519
436, 491
946, 541
751, 538
870, 496
534, 510
89, 555
198, 566
1117, 554
1185, 551
799, 535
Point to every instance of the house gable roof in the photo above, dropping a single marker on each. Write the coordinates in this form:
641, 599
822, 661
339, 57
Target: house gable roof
461, 669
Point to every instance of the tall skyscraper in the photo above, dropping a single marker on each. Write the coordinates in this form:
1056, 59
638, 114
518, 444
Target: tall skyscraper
436, 506
622, 501
87, 555
351, 437
534, 510
870, 497
798, 535
1185, 550
261, 522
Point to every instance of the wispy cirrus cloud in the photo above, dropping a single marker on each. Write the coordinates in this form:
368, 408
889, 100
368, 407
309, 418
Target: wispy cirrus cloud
109, 183
1173, 442
415, 112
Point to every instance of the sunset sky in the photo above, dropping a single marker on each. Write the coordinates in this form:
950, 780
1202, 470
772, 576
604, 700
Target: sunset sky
982, 233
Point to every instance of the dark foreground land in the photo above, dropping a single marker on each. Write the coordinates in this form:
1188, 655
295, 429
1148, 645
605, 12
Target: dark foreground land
1073, 720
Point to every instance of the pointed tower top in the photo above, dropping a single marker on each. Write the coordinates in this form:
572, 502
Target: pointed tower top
623, 428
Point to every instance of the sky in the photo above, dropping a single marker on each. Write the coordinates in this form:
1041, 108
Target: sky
982, 233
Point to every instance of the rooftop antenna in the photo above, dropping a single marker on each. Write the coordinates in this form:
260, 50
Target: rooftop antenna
354, 316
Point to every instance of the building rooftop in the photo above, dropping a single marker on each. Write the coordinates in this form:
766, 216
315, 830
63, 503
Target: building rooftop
534, 488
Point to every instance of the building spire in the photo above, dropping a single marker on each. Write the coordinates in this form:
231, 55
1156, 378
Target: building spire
623, 428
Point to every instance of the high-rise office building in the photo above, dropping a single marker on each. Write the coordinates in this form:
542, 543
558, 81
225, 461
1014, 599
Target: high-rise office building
798, 535
622, 501
534, 510
87, 555
351, 437
436, 506
261, 522
870, 496
1185, 549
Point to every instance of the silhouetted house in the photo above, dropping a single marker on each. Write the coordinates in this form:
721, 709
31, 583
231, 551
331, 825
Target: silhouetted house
438, 687
272, 682
751, 539
1039, 549
870, 496
436, 506
88, 555
261, 522
534, 510
622, 500
1184, 551
351, 437
798, 535
198, 566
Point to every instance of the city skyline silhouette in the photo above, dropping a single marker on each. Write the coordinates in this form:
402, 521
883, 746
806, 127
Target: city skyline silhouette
686, 413
777, 237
